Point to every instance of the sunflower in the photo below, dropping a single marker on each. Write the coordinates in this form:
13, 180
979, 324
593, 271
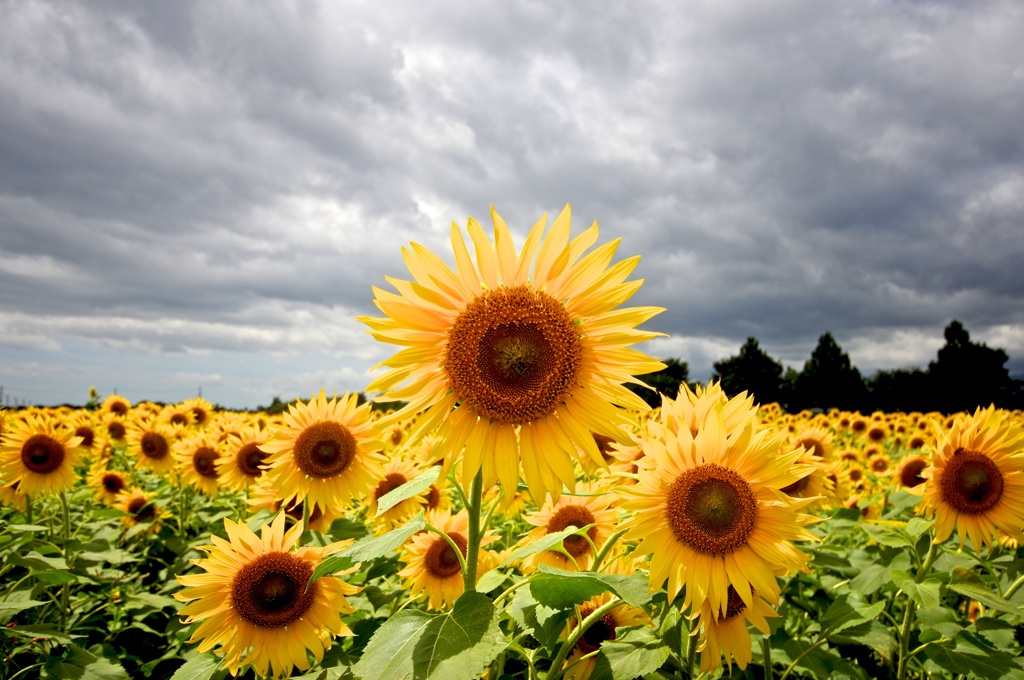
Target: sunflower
116, 430
431, 565
177, 415
10, 497
82, 426
396, 473
880, 464
976, 480
325, 453
39, 456
817, 485
139, 509
710, 511
116, 405
511, 365
108, 484
196, 461
201, 410
243, 463
579, 664
151, 443
909, 472
818, 440
577, 511
253, 601
262, 496
725, 632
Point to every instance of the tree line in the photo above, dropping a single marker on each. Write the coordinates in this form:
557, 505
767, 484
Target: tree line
963, 376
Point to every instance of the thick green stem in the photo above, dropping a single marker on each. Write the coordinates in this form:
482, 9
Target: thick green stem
766, 652
908, 614
473, 539
1014, 587
64, 594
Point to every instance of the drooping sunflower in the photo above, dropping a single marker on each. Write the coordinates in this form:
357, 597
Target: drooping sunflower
726, 633
196, 459
710, 511
326, 453
431, 565
975, 483
578, 511
253, 602
40, 456
515, 357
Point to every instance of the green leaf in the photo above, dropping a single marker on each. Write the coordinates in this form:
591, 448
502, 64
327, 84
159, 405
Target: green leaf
633, 654
562, 589
969, 584
918, 526
546, 542
53, 577
413, 487
26, 528
81, 664
200, 667
846, 611
925, 594
368, 549
114, 556
36, 561
8, 606
968, 654
870, 634
490, 581
890, 535
47, 631
544, 623
412, 644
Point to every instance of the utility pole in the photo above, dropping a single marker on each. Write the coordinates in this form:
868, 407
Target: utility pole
1, 394
200, 391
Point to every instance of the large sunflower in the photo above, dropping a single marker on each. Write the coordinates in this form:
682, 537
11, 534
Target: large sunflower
516, 357
39, 456
976, 479
254, 604
325, 453
710, 511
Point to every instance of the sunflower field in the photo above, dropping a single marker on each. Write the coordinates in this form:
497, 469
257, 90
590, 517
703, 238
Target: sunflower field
518, 514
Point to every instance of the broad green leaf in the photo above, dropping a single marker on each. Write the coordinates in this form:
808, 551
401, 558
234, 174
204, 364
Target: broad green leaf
490, 581
36, 561
632, 654
918, 526
562, 589
26, 528
8, 606
81, 664
925, 594
846, 611
47, 631
546, 542
200, 667
457, 644
968, 655
870, 634
969, 584
544, 623
114, 556
54, 577
892, 535
368, 549
413, 487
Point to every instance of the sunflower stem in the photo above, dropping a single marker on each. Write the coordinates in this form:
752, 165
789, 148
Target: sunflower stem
1014, 587
473, 539
908, 614
64, 595
306, 514
463, 562
606, 548
766, 653
574, 636
691, 649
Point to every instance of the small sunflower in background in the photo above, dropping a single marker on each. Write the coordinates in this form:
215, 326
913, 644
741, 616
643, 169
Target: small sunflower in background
254, 605
116, 405
582, 660
177, 416
726, 634
243, 462
108, 484
710, 511
515, 358
200, 409
908, 474
195, 459
262, 496
431, 566
578, 511
818, 440
116, 429
139, 508
395, 473
151, 443
39, 456
975, 483
326, 453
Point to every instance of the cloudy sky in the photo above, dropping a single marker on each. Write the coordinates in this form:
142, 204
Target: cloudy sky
200, 194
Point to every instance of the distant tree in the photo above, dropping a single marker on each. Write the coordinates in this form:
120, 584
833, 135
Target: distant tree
829, 380
900, 390
666, 381
751, 370
966, 374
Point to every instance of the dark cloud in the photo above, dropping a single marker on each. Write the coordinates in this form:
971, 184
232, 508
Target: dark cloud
219, 179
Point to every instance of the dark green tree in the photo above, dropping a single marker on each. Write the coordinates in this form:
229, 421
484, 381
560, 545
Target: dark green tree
829, 380
900, 390
666, 381
967, 374
751, 370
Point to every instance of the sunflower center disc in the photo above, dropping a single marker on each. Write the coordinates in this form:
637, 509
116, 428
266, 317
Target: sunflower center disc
42, 454
441, 561
972, 483
249, 460
270, 591
513, 355
204, 460
711, 509
577, 516
735, 605
600, 631
153, 446
910, 475
113, 483
141, 509
797, 488
817, 448
116, 429
390, 482
87, 435
324, 449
